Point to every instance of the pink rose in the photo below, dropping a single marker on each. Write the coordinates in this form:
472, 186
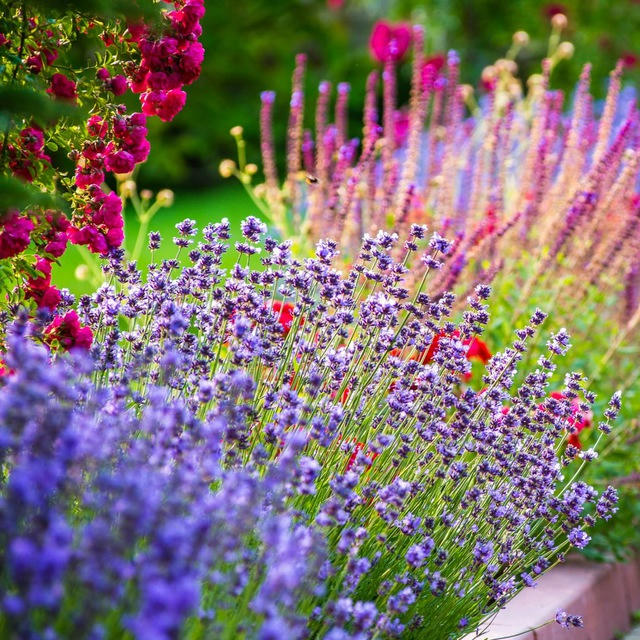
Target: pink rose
120, 162
118, 85
171, 105
61, 87
15, 235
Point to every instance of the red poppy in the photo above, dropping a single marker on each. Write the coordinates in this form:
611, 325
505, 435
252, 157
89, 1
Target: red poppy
389, 42
285, 315
478, 349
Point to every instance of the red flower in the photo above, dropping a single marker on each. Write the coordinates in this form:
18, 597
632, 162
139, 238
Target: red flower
32, 139
5, 372
629, 59
478, 350
389, 42
578, 422
67, 332
120, 162
118, 85
165, 105
34, 63
285, 315
56, 235
15, 235
61, 87
51, 55
40, 282
352, 458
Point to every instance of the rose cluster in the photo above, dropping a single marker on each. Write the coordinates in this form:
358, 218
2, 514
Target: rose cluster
116, 144
16, 233
27, 153
169, 60
37, 50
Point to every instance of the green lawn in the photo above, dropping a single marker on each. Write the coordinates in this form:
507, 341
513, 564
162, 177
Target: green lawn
203, 206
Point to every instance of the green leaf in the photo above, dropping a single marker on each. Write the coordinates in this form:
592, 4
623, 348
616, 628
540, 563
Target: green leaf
16, 194
24, 103
97, 8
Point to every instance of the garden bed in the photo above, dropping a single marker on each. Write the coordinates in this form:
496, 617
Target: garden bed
606, 595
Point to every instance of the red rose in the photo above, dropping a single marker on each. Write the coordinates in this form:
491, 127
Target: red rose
68, 333
15, 235
118, 85
120, 162
61, 87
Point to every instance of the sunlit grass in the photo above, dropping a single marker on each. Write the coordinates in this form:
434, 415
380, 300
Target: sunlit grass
203, 206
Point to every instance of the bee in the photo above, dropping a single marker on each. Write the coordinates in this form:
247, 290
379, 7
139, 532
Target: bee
310, 179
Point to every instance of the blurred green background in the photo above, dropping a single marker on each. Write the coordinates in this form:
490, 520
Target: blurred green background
250, 46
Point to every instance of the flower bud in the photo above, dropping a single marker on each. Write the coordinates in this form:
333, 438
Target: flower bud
559, 21
251, 169
165, 197
127, 189
489, 73
466, 91
236, 131
227, 168
565, 50
146, 194
521, 38
82, 272
506, 66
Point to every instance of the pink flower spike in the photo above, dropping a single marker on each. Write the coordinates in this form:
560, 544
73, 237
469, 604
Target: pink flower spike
389, 42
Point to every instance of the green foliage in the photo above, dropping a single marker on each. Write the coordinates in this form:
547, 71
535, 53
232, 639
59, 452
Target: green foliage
17, 194
250, 46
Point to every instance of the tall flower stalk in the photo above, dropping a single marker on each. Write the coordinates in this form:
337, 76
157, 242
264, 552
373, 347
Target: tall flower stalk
510, 177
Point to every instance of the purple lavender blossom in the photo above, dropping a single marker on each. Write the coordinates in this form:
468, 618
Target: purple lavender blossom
263, 442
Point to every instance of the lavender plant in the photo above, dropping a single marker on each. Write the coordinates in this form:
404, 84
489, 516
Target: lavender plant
277, 452
535, 190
